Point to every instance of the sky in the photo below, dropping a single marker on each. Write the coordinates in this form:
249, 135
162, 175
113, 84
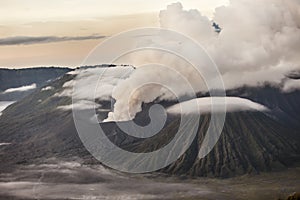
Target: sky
63, 32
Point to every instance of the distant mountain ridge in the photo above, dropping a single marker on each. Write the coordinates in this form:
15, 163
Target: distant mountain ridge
15, 78
12, 78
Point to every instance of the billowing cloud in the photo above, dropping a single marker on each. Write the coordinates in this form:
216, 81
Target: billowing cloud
259, 42
27, 40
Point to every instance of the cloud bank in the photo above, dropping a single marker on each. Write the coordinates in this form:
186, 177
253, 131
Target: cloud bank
27, 40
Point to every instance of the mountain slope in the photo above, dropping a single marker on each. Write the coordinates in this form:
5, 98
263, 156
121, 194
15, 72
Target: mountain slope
250, 142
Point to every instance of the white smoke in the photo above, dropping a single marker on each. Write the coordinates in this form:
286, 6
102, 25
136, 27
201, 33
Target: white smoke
191, 23
259, 42
105, 77
148, 83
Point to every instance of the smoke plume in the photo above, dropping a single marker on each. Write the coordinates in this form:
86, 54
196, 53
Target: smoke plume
258, 42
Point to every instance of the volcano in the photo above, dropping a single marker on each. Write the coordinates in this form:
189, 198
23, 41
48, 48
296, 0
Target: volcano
41, 126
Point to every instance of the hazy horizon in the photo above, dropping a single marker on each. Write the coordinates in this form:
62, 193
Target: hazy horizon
64, 36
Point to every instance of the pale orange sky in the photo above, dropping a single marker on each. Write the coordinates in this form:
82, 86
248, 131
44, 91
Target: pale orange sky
73, 18
68, 53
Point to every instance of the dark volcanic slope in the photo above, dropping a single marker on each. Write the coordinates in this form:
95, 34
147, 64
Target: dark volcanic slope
250, 141
13, 78
36, 129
